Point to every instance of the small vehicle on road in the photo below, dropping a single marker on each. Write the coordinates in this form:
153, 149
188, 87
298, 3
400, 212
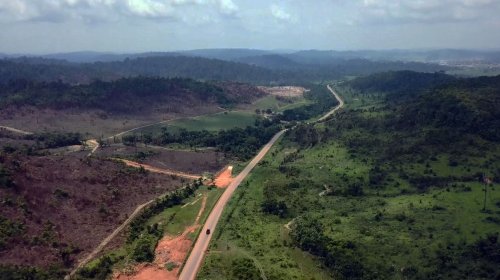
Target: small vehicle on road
208, 231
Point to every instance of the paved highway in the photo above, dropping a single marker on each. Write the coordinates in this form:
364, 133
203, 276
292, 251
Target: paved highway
195, 259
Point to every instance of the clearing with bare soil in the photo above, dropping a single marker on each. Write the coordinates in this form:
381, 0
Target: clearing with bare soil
170, 251
284, 91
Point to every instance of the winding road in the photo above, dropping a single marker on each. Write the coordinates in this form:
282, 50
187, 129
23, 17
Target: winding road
195, 259
341, 104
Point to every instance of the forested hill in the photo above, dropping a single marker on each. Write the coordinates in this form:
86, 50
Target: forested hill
162, 66
443, 106
465, 106
400, 82
124, 95
266, 69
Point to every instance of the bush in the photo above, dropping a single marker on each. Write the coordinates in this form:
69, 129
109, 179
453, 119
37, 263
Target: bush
244, 268
144, 250
99, 271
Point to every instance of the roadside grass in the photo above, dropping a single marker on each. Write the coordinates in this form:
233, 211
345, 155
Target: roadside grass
245, 232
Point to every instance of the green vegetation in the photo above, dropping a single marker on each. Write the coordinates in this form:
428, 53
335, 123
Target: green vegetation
391, 187
47, 140
11, 272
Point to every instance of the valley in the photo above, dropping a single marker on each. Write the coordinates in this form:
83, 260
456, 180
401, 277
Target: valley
343, 173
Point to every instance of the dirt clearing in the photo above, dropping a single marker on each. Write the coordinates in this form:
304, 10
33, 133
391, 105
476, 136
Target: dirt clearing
170, 253
285, 91
224, 178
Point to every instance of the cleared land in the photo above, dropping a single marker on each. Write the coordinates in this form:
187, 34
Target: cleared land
95, 123
52, 192
182, 161
284, 91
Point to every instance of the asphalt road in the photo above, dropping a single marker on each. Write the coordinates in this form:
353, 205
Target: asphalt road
195, 259
196, 256
341, 104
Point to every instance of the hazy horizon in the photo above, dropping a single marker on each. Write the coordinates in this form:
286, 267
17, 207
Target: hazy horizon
278, 51
58, 26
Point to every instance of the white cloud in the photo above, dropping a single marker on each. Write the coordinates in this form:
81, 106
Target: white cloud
228, 7
423, 11
280, 14
57, 10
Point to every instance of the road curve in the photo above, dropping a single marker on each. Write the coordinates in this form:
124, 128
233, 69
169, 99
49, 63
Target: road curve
196, 256
195, 259
341, 104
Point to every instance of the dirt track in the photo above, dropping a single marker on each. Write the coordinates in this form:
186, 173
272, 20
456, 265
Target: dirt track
105, 242
159, 170
195, 259
15, 130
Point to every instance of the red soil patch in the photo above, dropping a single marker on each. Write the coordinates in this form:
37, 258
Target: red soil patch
224, 178
169, 250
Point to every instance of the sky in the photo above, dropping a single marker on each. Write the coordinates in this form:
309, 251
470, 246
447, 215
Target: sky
51, 26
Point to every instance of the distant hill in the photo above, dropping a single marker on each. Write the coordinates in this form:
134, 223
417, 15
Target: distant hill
448, 56
127, 95
271, 61
261, 69
40, 69
225, 54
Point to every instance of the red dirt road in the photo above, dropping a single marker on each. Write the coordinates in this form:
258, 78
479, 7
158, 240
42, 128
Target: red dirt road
195, 259
159, 170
